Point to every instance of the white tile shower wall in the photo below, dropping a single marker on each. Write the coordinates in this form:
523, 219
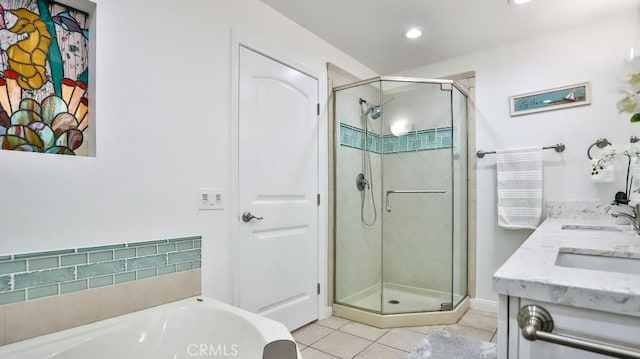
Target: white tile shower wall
417, 231
551, 60
423, 105
142, 182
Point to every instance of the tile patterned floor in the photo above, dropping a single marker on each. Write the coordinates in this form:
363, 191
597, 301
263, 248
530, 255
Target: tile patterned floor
340, 338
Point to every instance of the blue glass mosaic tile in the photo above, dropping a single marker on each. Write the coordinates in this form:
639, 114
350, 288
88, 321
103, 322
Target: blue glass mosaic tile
74, 286
446, 142
147, 273
432, 142
73, 259
164, 248
428, 139
43, 254
13, 267
146, 262
100, 281
147, 243
29, 276
184, 245
43, 263
101, 248
124, 253
402, 143
183, 239
184, 256
184, 266
124, 277
39, 292
13, 297
146, 251
51, 276
100, 256
100, 269
167, 269
5, 283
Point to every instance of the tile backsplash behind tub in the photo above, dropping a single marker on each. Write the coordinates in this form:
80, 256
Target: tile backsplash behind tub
50, 291
35, 275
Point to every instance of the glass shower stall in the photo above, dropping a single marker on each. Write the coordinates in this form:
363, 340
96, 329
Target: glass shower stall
400, 195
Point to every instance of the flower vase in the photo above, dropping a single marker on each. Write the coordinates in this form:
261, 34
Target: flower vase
606, 175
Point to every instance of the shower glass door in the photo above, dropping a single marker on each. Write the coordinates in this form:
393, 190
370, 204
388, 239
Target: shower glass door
398, 174
417, 184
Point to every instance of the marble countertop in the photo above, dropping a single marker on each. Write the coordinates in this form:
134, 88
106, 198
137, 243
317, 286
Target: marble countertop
531, 272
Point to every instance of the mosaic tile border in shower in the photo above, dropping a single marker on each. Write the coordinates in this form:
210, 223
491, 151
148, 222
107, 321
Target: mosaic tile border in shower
421, 140
31, 276
354, 137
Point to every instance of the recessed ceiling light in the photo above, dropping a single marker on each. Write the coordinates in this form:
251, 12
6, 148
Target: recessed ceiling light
413, 33
518, 2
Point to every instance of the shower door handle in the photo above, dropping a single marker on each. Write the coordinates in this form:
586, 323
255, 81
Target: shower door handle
247, 217
411, 191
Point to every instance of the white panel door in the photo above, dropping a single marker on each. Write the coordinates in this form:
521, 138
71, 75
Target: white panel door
278, 182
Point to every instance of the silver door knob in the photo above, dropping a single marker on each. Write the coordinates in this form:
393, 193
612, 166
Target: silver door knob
247, 216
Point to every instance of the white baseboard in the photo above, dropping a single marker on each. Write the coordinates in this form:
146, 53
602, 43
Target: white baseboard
485, 305
325, 313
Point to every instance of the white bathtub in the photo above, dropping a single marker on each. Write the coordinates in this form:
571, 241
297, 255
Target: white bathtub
196, 327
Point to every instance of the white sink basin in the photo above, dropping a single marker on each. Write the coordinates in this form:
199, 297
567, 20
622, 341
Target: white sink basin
625, 263
585, 227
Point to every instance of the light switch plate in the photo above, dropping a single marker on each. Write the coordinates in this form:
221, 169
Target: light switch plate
210, 198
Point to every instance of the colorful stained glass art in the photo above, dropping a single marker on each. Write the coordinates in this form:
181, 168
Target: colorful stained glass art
44, 76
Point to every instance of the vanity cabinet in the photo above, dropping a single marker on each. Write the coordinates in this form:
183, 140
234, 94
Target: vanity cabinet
593, 325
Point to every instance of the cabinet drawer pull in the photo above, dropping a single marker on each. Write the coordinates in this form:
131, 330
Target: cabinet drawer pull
536, 323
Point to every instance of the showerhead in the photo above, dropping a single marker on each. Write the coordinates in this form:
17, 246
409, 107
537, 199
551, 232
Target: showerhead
369, 109
375, 112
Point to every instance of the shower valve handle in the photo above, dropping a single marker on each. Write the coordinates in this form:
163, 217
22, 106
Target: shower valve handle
247, 216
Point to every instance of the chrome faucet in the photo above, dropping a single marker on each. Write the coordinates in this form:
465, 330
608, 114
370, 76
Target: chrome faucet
633, 218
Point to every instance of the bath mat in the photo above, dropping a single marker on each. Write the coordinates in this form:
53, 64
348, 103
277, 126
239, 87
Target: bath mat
445, 345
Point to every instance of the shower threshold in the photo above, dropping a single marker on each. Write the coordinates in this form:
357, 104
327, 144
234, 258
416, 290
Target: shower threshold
414, 307
400, 299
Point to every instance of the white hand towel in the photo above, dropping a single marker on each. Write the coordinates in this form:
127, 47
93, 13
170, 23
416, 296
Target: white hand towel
519, 187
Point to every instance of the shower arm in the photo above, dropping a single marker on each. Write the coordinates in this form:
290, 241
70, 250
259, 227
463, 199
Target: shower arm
401, 191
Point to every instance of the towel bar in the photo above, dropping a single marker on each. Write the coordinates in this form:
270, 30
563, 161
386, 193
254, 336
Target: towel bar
536, 324
560, 147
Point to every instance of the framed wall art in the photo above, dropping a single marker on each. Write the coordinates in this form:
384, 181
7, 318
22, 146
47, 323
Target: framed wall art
552, 99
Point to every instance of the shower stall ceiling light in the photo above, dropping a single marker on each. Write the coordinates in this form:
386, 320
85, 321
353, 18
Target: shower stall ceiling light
518, 2
400, 127
413, 33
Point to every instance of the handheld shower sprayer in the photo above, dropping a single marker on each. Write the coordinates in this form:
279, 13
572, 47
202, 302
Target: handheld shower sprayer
363, 180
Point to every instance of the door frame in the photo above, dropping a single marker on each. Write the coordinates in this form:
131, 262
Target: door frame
238, 40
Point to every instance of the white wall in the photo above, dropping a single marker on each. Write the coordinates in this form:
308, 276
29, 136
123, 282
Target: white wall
163, 124
592, 53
